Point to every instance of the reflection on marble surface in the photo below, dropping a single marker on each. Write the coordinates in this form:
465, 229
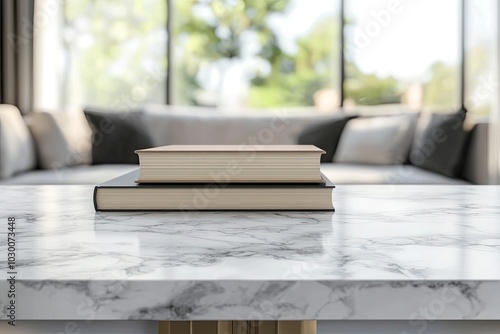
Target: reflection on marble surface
408, 248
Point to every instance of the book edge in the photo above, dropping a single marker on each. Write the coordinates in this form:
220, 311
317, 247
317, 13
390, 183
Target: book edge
236, 150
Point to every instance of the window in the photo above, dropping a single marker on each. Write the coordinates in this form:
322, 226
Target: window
256, 53
276, 53
481, 33
403, 52
115, 52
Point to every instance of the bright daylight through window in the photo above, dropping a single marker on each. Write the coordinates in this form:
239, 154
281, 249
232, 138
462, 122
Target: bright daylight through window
393, 56
276, 53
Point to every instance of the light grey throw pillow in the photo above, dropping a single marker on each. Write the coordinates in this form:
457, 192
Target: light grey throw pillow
17, 151
62, 138
384, 140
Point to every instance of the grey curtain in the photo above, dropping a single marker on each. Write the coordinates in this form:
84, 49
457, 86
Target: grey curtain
16, 53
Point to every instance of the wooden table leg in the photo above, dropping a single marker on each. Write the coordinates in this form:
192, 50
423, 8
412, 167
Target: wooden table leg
237, 327
174, 327
296, 327
224, 327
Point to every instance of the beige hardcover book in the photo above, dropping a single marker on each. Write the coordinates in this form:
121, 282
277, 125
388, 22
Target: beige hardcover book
123, 194
230, 163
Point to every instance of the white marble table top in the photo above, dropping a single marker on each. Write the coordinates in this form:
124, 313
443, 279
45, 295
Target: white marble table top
404, 246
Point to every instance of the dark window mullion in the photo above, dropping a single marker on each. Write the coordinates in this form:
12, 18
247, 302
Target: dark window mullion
342, 51
169, 90
462, 54
2, 40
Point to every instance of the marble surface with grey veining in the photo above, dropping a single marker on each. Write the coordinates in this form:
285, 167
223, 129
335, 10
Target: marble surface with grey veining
388, 252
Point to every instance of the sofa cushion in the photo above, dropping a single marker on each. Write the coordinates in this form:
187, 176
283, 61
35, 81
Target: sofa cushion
61, 139
384, 140
325, 135
439, 144
340, 173
17, 150
116, 135
83, 174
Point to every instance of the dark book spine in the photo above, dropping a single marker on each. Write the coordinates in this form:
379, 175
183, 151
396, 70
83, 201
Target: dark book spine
94, 198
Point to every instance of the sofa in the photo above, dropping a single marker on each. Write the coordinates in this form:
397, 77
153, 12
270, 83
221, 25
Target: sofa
196, 125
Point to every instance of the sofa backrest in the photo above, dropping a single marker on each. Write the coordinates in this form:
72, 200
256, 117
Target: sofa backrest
197, 127
194, 125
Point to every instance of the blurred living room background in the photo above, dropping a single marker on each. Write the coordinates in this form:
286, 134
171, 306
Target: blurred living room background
375, 82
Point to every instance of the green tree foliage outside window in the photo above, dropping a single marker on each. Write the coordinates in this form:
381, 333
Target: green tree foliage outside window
293, 78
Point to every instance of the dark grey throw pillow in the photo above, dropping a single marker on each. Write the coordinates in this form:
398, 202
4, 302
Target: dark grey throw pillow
325, 136
439, 147
116, 135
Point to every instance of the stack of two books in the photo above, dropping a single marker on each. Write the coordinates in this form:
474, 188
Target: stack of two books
203, 177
